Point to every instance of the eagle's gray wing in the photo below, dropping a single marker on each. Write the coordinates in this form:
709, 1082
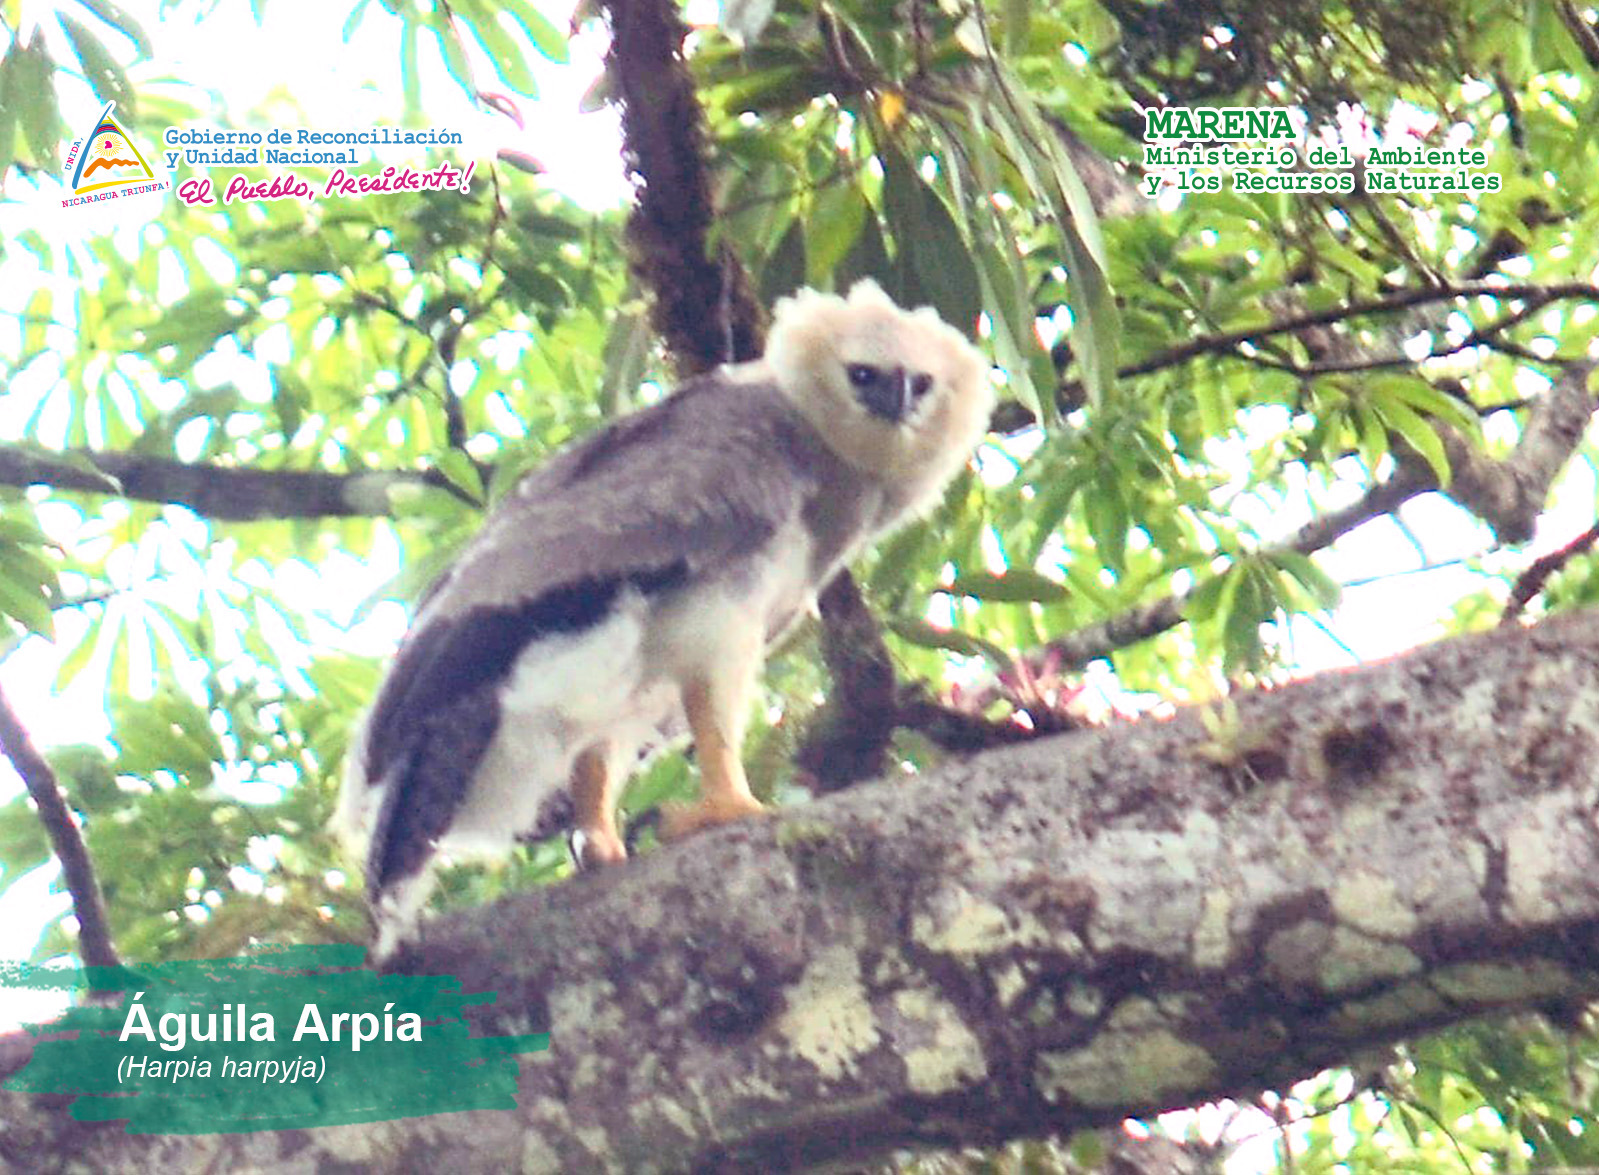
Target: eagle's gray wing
652, 502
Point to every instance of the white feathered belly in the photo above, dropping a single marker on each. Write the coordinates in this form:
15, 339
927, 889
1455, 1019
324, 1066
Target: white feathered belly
564, 694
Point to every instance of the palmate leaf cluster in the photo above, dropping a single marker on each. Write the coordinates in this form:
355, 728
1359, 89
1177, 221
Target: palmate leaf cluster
957, 154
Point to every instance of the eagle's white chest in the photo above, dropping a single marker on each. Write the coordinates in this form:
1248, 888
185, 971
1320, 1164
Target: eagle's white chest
618, 683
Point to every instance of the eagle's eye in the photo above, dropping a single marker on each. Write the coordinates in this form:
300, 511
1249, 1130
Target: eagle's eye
921, 384
862, 375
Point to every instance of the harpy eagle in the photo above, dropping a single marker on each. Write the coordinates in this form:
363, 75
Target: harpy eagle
628, 589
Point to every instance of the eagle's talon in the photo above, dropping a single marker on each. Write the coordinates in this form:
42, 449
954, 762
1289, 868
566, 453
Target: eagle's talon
680, 820
594, 848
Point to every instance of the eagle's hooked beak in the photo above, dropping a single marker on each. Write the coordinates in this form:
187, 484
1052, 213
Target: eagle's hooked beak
890, 395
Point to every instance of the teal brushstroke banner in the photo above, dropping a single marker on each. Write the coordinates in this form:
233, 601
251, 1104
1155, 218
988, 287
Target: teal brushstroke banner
283, 1038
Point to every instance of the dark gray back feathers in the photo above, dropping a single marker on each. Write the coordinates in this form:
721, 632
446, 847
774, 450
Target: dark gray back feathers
654, 501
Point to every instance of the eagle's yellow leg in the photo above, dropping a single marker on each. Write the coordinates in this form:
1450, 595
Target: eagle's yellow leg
593, 795
716, 723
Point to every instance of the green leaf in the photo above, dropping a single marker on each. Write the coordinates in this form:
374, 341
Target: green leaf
105, 76
896, 556
1105, 511
1204, 603
1242, 620
87, 780
1017, 585
22, 530
454, 56
122, 22
27, 584
1423, 397
1323, 588
353, 21
1015, 22
627, 349
1418, 434
37, 319
599, 95
8, 114
667, 781
838, 215
926, 234
1009, 351
541, 224
1372, 437
504, 51
461, 472
35, 99
549, 40
23, 843
952, 640
867, 258
288, 399
1215, 406
91, 639
196, 321
166, 732
784, 271
769, 92
1096, 327
1049, 508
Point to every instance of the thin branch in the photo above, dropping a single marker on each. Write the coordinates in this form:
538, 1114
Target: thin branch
1010, 417
1583, 33
1327, 631
455, 426
1405, 483
220, 492
94, 940
1484, 336
1226, 341
962, 731
1531, 581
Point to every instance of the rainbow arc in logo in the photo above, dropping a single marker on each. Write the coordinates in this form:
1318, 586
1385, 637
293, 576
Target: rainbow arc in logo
109, 159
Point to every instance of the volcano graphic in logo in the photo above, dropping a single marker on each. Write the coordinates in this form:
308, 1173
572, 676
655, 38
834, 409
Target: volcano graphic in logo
109, 158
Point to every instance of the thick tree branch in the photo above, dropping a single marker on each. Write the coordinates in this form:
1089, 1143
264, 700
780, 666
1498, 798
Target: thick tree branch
702, 305
1041, 938
1508, 495
94, 938
221, 492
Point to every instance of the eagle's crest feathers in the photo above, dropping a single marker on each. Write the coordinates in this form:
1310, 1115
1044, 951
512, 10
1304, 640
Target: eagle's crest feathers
821, 346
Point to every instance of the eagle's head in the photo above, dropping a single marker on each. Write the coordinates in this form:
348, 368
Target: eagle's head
899, 394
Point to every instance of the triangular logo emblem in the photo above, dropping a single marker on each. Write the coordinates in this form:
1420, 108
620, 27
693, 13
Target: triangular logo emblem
109, 158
